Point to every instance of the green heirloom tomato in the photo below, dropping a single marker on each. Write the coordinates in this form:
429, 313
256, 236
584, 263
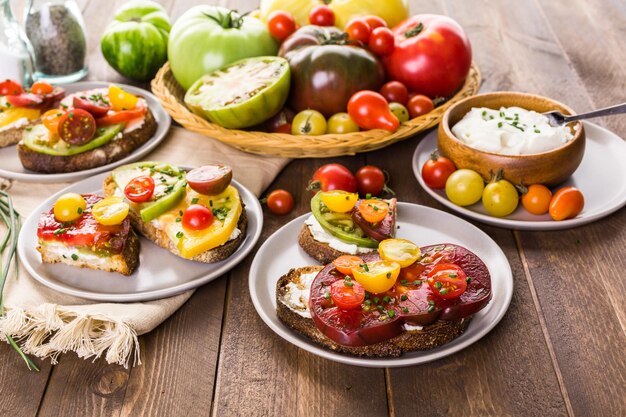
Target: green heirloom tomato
206, 38
135, 43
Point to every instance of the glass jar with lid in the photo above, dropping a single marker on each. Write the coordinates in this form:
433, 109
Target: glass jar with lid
16, 54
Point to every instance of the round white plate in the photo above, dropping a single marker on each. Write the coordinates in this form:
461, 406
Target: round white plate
422, 225
160, 273
11, 167
601, 177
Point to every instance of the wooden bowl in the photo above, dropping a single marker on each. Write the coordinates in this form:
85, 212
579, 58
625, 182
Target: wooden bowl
548, 168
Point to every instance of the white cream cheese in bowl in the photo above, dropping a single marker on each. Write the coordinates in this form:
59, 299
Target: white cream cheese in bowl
510, 131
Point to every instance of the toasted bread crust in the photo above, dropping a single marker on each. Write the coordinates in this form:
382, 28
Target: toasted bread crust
125, 263
321, 252
160, 238
13, 135
429, 337
106, 154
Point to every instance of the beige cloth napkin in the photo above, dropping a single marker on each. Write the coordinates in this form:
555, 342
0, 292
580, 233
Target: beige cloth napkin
48, 323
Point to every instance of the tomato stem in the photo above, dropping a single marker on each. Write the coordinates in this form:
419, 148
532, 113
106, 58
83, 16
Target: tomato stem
314, 186
414, 31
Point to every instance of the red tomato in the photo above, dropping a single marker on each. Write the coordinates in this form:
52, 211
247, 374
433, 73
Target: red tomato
139, 189
345, 263
370, 180
42, 87
114, 118
382, 41
347, 294
436, 171
537, 199
447, 280
370, 110
432, 55
76, 127
10, 88
95, 106
280, 202
358, 30
375, 21
419, 105
333, 177
395, 91
197, 217
567, 203
322, 15
281, 24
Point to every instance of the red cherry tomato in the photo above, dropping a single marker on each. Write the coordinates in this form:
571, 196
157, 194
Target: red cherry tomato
345, 263
382, 41
77, 127
10, 88
395, 91
447, 280
94, 105
419, 105
210, 179
436, 171
370, 180
281, 24
567, 203
331, 177
42, 87
281, 123
280, 202
114, 118
322, 15
375, 21
370, 110
347, 294
139, 189
197, 217
358, 30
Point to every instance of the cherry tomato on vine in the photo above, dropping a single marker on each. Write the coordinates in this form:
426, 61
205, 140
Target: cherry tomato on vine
395, 91
347, 294
41, 87
375, 21
536, 199
436, 171
333, 177
197, 217
382, 41
567, 203
370, 180
10, 88
281, 25
370, 110
139, 189
280, 202
418, 105
322, 15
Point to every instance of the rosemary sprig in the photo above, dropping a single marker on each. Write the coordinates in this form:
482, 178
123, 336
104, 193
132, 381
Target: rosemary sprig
11, 220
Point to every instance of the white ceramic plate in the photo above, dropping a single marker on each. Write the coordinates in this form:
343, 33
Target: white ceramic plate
424, 226
11, 167
601, 177
160, 273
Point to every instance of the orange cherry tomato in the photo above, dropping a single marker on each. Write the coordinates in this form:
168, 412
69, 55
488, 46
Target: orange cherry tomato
567, 203
51, 119
42, 87
373, 211
537, 199
345, 263
358, 30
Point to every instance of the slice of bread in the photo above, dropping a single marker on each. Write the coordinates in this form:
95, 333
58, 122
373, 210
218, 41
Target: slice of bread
320, 251
160, 237
13, 135
114, 150
429, 337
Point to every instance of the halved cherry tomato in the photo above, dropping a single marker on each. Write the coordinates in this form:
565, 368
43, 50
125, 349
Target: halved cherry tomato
395, 91
375, 21
280, 202
346, 263
537, 199
567, 203
51, 119
110, 211
96, 105
436, 171
378, 276
419, 104
210, 179
339, 201
322, 15
10, 88
69, 207
347, 294
197, 217
139, 189
121, 116
447, 280
373, 211
382, 41
402, 251
281, 24
358, 30
77, 127
121, 99
412, 272
42, 87
370, 110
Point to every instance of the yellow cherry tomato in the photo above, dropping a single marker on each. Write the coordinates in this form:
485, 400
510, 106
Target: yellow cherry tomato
120, 99
110, 211
341, 123
339, 201
378, 276
69, 207
402, 251
464, 187
308, 122
500, 198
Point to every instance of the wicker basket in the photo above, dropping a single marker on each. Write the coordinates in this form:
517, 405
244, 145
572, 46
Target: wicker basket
169, 92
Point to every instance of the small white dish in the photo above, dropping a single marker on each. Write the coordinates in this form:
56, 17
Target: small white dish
601, 177
160, 273
11, 167
424, 226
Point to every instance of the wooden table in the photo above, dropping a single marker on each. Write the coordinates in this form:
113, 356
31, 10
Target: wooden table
560, 349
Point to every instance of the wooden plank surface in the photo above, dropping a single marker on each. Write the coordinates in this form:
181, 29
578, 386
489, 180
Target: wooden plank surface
558, 351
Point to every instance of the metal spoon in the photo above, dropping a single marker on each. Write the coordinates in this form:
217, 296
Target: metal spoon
557, 118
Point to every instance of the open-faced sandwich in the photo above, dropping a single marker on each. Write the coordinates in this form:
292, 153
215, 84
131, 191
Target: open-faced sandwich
341, 224
89, 129
196, 215
399, 299
89, 231
22, 108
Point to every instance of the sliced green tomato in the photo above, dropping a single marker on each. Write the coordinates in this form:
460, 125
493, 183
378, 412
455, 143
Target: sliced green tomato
40, 140
340, 225
221, 97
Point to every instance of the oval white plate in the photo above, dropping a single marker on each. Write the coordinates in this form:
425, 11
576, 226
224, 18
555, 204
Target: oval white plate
160, 273
600, 176
424, 226
11, 167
